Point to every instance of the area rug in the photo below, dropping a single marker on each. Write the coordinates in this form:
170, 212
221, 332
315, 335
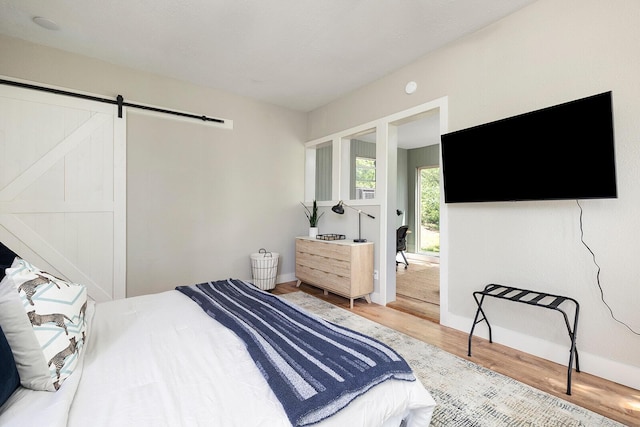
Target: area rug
467, 394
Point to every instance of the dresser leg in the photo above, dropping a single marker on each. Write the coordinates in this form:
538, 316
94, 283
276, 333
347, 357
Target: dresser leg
299, 283
351, 303
367, 298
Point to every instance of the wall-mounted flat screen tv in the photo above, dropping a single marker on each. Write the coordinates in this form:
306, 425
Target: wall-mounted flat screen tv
556, 153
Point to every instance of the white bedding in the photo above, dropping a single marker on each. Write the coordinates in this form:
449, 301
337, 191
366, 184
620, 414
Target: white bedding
159, 360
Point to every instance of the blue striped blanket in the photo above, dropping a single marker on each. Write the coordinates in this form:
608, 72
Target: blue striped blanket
314, 367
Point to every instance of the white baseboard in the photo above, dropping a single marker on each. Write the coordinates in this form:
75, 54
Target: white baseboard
590, 363
285, 278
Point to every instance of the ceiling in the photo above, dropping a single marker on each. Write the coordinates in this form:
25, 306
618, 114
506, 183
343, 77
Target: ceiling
413, 132
298, 54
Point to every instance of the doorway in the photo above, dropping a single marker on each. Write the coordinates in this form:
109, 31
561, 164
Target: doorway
418, 194
393, 133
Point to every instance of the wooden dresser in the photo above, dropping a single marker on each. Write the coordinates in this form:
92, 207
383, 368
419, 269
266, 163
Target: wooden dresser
338, 266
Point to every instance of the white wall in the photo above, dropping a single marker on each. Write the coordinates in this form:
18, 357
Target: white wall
200, 199
550, 52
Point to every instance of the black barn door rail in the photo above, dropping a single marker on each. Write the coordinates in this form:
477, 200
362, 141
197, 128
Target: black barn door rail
119, 101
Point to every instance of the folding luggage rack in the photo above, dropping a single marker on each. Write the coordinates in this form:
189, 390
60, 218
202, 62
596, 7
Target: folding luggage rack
538, 299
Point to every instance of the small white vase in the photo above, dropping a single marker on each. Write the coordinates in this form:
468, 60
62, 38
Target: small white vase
313, 232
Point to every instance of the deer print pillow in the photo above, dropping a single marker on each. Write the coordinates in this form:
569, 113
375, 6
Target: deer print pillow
43, 318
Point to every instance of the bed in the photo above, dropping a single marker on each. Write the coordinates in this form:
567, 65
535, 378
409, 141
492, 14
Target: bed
168, 359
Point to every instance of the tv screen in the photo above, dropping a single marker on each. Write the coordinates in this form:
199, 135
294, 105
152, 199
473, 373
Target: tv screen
556, 153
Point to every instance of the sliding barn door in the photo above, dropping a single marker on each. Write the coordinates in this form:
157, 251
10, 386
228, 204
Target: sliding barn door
62, 187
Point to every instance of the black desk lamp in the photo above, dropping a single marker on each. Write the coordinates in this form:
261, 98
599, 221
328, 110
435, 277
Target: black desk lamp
339, 209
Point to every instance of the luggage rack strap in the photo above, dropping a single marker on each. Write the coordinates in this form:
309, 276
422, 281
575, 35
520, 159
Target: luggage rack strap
504, 292
535, 298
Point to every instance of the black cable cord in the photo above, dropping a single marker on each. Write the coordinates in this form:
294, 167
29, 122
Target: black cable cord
598, 275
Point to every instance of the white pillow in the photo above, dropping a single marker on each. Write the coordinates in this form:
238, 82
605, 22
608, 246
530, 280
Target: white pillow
43, 318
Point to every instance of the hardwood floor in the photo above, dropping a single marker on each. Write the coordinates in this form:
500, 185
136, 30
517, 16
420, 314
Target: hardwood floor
612, 400
418, 288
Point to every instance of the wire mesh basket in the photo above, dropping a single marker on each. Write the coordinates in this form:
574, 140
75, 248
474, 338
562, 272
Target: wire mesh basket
264, 269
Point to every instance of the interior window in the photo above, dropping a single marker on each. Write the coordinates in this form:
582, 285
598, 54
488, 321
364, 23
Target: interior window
361, 152
324, 171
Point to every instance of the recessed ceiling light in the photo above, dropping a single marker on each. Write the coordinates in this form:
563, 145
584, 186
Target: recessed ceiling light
46, 23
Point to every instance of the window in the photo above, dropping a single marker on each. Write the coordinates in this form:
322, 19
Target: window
324, 171
365, 178
429, 210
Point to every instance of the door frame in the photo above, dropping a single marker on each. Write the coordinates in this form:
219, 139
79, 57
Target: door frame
389, 229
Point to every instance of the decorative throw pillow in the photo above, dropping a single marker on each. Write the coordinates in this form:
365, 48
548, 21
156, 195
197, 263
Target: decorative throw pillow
43, 318
9, 379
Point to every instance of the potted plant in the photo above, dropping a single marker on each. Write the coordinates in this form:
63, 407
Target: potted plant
313, 217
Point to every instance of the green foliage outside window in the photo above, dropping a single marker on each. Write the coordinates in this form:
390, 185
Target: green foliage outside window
430, 209
430, 199
365, 173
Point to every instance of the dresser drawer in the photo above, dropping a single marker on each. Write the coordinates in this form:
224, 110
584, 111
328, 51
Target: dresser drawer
324, 249
326, 280
330, 265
